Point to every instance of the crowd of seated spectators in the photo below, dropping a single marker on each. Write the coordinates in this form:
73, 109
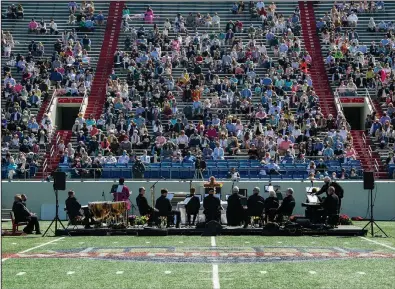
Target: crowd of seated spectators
226, 109
354, 64
67, 70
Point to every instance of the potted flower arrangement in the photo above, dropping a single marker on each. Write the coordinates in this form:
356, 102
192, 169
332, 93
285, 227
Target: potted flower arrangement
132, 220
344, 220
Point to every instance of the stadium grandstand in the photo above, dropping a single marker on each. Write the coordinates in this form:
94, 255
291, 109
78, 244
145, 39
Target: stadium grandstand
270, 103
220, 90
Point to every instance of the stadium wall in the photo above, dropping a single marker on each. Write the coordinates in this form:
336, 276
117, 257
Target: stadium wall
355, 202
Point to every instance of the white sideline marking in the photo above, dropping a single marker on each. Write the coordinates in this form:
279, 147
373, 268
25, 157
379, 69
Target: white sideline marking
378, 243
81, 242
167, 272
115, 242
181, 242
263, 272
280, 242
247, 242
341, 250
31, 249
312, 272
20, 273
50, 242
70, 273
147, 242
13, 243
119, 272
361, 273
215, 268
87, 250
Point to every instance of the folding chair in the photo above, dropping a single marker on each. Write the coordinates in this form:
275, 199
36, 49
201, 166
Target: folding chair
15, 225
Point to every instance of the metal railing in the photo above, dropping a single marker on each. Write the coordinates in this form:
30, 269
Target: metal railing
372, 164
187, 173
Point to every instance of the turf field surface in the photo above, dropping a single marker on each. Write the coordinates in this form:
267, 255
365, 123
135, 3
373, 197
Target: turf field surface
199, 262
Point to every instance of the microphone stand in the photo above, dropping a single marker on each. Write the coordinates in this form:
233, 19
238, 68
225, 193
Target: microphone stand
104, 197
312, 185
152, 189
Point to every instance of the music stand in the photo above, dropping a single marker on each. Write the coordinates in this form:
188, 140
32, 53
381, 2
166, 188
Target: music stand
56, 218
371, 219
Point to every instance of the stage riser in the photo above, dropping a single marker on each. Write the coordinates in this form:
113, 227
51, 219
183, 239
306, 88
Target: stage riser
199, 232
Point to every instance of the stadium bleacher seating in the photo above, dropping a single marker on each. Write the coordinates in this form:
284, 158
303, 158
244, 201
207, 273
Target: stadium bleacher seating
39, 65
262, 132
373, 26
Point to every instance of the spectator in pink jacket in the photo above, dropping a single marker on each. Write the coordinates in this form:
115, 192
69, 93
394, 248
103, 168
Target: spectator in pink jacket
33, 26
149, 15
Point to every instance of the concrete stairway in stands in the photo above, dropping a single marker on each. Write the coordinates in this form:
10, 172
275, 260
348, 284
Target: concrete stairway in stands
53, 155
317, 71
98, 94
370, 160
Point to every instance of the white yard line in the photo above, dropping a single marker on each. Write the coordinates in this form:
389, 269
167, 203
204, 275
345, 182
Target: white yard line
39, 246
215, 277
213, 243
215, 268
378, 243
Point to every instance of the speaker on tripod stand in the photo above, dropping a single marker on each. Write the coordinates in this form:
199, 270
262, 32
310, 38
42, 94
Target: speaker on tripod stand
59, 184
368, 184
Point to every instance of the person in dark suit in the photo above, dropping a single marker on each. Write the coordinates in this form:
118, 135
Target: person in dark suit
22, 214
287, 206
165, 209
192, 207
236, 212
271, 206
331, 206
255, 203
339, 191
73, 208
212, 207
145, 208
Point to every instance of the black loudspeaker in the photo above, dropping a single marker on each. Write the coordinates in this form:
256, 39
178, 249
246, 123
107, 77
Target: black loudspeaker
59, 181
303, 222
213, 228
368, 180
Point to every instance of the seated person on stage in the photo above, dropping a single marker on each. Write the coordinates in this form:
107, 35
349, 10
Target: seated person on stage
192, 207
165, 209
144, 208
271, 206
255, 204
287, 206
236, 212
73, 208
331, 206
22, 214
212, 207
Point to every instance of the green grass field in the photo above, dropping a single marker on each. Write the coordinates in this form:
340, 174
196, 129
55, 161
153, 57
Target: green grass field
199, 262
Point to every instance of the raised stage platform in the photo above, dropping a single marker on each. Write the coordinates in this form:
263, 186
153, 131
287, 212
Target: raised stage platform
348, 230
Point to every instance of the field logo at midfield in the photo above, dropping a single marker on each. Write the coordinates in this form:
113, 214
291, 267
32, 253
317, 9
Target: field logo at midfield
209, 254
